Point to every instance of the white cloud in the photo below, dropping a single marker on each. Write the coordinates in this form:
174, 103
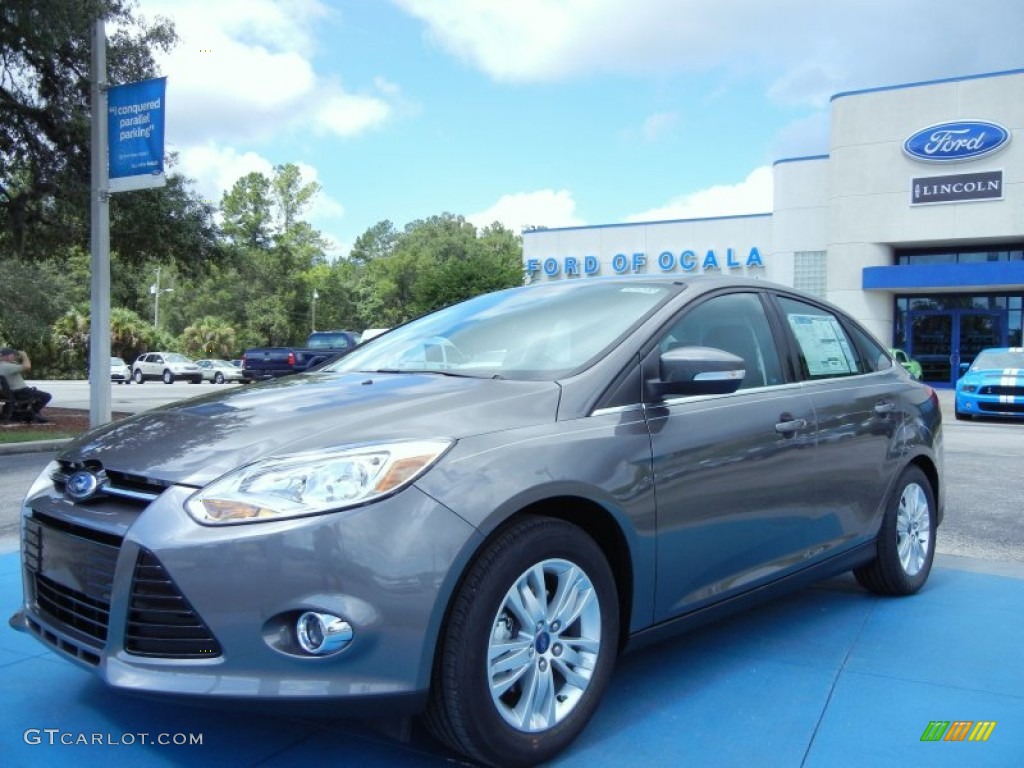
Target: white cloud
243, 70
542, 208
805, 50
215, 168
752, 195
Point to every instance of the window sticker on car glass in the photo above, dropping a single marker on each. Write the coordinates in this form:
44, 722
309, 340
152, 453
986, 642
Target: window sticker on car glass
824, 345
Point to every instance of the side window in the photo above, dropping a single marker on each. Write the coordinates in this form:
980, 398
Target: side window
736, 323
872, 353
826, 350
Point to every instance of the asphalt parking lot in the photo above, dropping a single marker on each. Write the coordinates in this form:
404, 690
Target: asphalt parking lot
829, 676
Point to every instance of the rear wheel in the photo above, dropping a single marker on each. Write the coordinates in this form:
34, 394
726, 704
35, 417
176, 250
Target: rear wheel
529, 646
906, 541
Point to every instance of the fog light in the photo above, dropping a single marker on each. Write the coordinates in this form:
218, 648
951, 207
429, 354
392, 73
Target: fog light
322, 633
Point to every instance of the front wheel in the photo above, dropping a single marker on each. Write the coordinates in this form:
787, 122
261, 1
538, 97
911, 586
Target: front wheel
138, 376
168, 377
906, 541
218, 378
529, 646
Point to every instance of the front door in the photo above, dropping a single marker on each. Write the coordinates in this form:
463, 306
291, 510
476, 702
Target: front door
943, 341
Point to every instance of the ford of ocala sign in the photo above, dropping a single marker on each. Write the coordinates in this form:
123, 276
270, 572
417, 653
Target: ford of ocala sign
956, 141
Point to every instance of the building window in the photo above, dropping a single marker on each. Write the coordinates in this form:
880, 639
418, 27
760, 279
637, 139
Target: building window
975, 255
809, 269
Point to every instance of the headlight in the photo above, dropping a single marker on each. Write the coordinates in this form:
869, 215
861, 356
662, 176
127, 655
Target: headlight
970, 388
312, 483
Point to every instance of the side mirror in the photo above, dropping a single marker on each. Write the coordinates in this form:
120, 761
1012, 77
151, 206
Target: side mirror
963, 368
697, 371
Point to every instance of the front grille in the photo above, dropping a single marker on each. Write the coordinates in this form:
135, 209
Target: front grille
1001, 390
72, 572
161, 621
134, 488
1001, 407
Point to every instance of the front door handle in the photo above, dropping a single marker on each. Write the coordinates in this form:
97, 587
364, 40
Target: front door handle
789, 425
884, 407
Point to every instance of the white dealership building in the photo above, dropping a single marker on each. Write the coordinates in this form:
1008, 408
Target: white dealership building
913, 222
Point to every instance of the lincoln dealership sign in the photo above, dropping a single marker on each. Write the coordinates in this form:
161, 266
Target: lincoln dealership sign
957, 188
956, 141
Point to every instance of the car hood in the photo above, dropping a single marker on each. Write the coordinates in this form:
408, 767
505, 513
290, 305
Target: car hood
193, 442
992, 375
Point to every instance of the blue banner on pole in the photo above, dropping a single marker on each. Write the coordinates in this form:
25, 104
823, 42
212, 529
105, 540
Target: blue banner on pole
135, 121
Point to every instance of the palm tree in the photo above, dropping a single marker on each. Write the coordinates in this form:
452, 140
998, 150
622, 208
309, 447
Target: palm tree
210, 337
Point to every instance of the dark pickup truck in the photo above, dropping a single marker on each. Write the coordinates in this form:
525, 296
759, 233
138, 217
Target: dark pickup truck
262, 363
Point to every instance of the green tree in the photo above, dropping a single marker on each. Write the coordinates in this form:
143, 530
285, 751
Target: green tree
291, 195
375, 243
246, 209
210, 337
439, 261
45, 138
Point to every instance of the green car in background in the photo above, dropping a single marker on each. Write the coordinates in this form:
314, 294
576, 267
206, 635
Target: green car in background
913, 367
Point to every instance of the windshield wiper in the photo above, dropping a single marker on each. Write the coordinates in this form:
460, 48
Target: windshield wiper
455, 374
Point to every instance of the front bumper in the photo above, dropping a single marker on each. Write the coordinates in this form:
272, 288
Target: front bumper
977, 404
97, 576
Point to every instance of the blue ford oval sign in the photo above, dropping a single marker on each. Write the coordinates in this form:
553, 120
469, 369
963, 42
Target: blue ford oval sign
956, 141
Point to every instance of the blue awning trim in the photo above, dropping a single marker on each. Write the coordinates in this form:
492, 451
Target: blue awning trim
1008, 274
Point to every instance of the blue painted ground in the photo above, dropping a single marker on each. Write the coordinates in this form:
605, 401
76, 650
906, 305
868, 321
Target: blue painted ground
830, 676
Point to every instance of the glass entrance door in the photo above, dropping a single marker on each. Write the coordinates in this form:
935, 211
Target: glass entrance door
978, 331
930, 342
942, 341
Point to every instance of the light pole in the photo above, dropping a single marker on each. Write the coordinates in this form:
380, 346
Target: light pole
156, 290
315, 297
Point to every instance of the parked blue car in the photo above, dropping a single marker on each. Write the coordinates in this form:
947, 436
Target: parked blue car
993, 385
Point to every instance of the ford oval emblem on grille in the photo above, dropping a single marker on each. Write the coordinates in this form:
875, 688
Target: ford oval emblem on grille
82, 485
956, 141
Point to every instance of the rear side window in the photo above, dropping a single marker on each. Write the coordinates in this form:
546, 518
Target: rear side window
826, 349
872, 353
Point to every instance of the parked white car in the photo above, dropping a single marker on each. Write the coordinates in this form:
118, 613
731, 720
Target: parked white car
219, 371
165, 366
119, 371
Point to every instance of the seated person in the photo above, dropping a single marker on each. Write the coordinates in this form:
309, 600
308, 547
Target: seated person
12, 365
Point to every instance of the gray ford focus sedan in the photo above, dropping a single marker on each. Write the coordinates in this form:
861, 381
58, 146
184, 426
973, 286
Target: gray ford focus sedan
472, 516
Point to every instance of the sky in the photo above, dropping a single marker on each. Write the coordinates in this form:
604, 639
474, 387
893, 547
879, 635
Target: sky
551, 113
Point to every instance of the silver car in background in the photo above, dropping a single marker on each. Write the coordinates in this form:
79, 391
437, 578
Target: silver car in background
219, 371
472, 515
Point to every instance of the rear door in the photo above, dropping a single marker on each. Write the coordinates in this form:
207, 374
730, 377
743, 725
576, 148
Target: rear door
857, 397
735, 475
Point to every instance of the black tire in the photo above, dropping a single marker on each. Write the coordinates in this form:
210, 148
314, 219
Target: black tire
218, 378
962, 416
903, 561
462, 712
168, 377
138, 376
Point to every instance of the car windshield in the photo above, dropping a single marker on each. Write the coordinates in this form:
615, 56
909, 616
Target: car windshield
998, 360
536, 332
116, 361
174, 357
